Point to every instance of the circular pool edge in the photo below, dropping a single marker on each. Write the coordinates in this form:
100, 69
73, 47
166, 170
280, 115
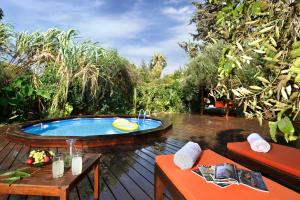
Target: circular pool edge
15, 134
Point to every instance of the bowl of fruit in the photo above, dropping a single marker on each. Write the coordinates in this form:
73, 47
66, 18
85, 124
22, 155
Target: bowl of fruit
39, 158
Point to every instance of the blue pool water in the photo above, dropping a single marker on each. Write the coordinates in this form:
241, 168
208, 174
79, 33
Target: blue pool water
85, 127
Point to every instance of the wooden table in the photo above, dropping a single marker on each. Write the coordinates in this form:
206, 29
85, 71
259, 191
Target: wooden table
184, 184
41, 182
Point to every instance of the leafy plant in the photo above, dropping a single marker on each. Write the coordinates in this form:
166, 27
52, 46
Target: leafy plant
263, 35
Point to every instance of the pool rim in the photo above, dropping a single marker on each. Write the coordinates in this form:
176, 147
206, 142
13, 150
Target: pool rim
14, 133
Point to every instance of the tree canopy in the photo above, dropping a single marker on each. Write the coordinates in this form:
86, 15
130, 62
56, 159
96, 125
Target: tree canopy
264, 36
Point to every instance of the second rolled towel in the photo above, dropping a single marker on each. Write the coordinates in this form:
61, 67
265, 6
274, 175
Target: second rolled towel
185, 157
257, 143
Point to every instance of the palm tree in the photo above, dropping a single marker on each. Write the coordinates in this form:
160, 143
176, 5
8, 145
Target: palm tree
157, 64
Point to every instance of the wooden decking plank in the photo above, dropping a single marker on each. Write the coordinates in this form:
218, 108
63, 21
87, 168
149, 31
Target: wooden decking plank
3, 143
35, 198
21, 155
5, 152
115, 186
17, 197
149, 153
145, 156
142, 170
158, 150
84, 189
105, 192
174, 142
10, 158
122, 175
172, 146
136, 177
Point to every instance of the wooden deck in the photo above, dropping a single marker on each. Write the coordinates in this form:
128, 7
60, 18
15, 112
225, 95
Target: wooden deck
124, 174
127, 172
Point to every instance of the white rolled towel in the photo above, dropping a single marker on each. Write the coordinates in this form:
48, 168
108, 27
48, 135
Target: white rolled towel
257, 143
185, 157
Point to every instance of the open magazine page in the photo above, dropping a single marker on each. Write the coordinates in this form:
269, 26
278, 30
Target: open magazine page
207, 172
224, 175
252, 179
226, 172
198, 172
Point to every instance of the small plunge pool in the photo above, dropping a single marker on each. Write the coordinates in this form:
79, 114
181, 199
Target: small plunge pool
82, 127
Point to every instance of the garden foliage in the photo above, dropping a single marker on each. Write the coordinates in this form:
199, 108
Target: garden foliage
263, 36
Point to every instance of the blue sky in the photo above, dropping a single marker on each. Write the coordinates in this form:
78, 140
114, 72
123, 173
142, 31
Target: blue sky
136, 28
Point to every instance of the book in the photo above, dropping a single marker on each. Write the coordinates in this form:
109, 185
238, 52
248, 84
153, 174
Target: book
224, 175
252, 179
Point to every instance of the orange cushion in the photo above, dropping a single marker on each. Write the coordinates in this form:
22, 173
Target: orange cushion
219, 104
280, 157
194, 187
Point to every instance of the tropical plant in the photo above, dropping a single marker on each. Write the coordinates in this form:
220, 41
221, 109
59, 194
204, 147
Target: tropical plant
201, 73
162, 95
263, 35
63, 75
157, 64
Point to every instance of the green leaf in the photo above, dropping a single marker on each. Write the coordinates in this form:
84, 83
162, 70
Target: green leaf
3, 101
285, 125
255, 87
293, 138
43, 93
297, 79
27, 91
11, 173
273, 130
262, 79
22, 174
11, 180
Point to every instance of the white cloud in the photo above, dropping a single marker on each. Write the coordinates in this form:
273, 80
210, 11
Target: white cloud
181, 14
103, 28
176, 56
128, 30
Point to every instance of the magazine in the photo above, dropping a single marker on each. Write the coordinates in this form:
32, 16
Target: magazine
252, 179
224, 175
207, 172
209, 175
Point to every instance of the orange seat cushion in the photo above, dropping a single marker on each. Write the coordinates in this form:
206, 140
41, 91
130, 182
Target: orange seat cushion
280, 157
193, 187
219, 104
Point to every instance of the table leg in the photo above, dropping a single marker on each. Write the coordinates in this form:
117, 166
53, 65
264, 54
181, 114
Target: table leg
63, 195
96, 182
159, 186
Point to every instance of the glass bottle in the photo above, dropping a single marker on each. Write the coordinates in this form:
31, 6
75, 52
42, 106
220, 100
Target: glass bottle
71, 151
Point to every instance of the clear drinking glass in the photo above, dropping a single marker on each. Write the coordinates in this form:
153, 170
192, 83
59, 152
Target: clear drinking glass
57, 166
76, 164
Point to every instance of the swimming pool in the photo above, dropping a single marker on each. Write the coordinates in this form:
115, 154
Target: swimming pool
89, 131
82, 127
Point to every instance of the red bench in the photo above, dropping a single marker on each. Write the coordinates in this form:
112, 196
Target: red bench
281, 162
184, 184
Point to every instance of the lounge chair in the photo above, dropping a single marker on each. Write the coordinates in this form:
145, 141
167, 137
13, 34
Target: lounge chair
184, 184
281, 162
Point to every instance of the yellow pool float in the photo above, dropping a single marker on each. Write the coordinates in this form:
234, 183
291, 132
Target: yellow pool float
125, 125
